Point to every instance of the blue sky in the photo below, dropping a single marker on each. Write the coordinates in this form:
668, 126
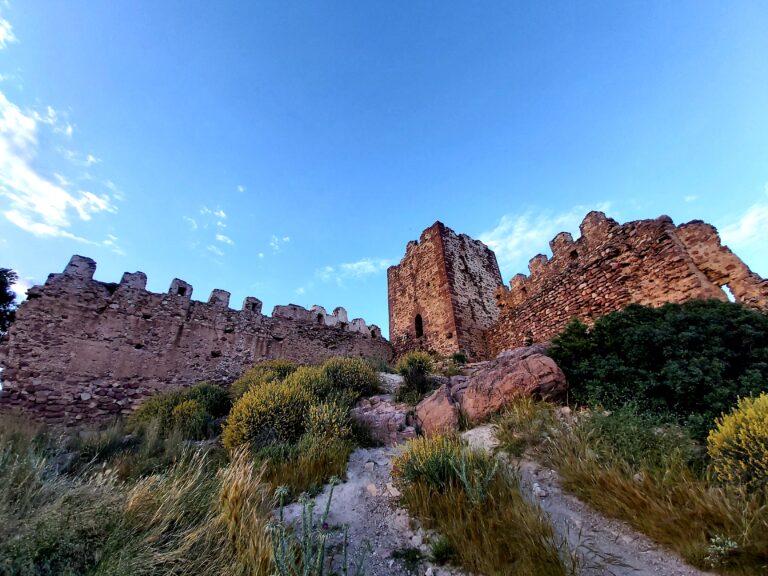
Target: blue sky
289, 151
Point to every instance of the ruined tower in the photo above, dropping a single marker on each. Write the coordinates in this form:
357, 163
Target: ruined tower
441, 295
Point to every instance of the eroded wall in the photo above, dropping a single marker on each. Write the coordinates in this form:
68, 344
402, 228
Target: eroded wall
649, 262
81, 349
449, 281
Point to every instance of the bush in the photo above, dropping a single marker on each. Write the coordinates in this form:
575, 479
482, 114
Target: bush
191, 419
689, 360
262, 373
312, 379
414, 367
738, 445
353, 374
429, 460
329, 420
459, 358
274, 412
213, 401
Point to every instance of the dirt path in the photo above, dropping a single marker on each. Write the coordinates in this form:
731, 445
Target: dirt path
367, 502
605, 546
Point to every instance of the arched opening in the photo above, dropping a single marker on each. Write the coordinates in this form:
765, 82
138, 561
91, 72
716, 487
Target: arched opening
728, 293
181, 290
320, 319
419, 326
574, 255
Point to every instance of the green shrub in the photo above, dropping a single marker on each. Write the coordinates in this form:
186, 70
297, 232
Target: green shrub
353, 374
738, 445
191, 419
262, 373
429, 460
689, 360
459, 358
274, 412
414, 367
213, 401
641, 440
441, 551
329, 420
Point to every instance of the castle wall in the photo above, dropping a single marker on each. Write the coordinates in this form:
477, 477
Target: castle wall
448, 280
85, 350
649, 262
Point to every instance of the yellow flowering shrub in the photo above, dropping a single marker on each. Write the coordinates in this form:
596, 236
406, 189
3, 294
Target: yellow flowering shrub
273, 412
191, 419
329, 420
262, 373
352, 374
738, 444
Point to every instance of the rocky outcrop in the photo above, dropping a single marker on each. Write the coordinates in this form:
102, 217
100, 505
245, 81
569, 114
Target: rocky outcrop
388, 421
514, 373
489, 387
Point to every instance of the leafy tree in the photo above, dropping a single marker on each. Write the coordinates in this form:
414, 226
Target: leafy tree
691, 361
7, 298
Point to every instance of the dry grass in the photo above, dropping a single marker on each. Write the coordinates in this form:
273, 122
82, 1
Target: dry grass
669, 502
478, 508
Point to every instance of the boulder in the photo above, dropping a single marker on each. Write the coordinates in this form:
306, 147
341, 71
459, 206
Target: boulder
520, 372
438, 413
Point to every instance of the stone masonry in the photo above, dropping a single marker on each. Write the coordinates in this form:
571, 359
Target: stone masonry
441, 295
649, 262
450, 287
81, 349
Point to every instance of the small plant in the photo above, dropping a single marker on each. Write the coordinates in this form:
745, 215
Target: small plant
738, 445
719, 550
431, 461
306, 552
411, 557
524, 423
441, 551
414, 367
274, 412
459, 358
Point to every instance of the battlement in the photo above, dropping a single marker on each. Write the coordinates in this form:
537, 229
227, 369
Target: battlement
611, 265
85, 349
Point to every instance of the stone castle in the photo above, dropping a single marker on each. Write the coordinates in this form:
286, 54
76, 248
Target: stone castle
447, 296
83, 350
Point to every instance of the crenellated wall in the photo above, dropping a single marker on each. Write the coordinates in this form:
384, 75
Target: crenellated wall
81, 349
649, 262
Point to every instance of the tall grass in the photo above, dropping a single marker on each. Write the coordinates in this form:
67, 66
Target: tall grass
661, 491
478, 508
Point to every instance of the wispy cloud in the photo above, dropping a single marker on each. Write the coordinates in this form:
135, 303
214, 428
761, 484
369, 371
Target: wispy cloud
300, 291
38, 204
240, 188
691, 198
6, 34
191, 221
276, 243
224, 239
214, 250
750, 229
112, 243
352, 270
518, 237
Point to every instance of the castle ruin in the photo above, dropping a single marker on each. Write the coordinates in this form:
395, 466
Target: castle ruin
83, 350
446, 294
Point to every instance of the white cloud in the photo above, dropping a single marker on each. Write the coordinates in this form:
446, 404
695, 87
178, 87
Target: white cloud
286, 238
224, 239
352, 270
691, 198
6, 34
750, 229
299, 291
21, 286
111, 243
261, 254
214, 250
240, 188
519, 237
191, 221
221, 224
220, 214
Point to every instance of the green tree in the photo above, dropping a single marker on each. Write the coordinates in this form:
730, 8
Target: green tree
7, 298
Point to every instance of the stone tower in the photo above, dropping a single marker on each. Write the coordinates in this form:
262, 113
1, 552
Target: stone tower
442, 294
